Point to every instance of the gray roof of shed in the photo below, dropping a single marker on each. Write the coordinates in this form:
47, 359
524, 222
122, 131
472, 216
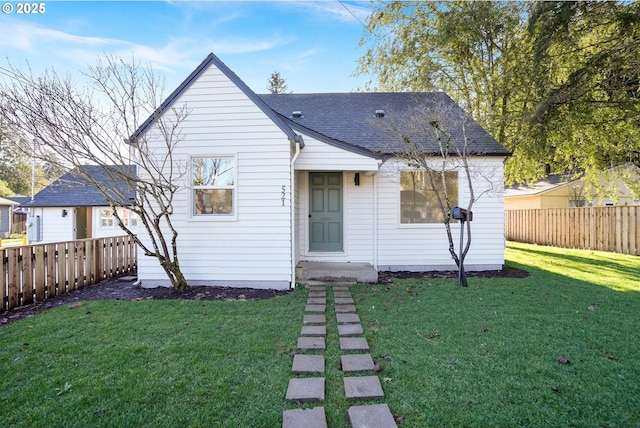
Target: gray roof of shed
73, 190
349, 120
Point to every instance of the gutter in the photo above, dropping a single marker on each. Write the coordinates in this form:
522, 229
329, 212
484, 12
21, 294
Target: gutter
299, 144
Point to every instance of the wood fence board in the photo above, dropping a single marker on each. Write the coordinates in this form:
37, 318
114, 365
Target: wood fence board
50, 254
13, 277
27, 275
3, 281
71, 266
80, 257
62, 267
39, 269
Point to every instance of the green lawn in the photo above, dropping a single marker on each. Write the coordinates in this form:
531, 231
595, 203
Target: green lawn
482, 356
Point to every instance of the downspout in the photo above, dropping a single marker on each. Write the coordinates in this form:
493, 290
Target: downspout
293, 212
375, 221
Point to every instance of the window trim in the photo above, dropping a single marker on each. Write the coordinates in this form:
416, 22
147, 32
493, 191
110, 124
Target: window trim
114, 223
191, 189
399, 202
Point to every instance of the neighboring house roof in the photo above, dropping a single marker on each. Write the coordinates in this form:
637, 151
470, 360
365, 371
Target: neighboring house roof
18, 200
552, 182
73, 190
212, 59
7, 202
351, 119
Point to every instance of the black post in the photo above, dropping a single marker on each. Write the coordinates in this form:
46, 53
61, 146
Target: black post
460, 267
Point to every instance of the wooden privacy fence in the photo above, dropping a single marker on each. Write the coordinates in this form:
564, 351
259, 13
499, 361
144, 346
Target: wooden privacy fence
33, 273
613, 229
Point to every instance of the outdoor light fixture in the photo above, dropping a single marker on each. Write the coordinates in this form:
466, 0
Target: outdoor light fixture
64, 213
356, 179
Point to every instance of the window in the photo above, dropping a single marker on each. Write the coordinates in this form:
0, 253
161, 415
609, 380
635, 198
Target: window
108, 220
418, 201
213, 181
106, 217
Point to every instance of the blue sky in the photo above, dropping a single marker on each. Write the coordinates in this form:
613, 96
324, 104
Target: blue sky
314, 45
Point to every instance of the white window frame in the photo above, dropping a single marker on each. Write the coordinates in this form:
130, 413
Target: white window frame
399, 200
233, 216
114, 223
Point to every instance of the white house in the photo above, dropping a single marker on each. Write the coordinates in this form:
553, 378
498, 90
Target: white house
275, 181
71, 208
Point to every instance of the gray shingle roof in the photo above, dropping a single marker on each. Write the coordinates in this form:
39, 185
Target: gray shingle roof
72, 190
349, 119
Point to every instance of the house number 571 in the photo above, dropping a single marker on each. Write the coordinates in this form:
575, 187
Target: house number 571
284, 194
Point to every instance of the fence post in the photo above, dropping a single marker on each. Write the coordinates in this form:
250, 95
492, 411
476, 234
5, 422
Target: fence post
4, 292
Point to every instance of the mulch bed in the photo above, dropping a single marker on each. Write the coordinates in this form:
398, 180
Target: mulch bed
117, 289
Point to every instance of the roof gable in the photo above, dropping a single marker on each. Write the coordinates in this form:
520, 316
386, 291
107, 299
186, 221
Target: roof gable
211, 59
73, 190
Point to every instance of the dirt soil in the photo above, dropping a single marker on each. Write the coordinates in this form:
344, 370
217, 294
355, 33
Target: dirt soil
123, 288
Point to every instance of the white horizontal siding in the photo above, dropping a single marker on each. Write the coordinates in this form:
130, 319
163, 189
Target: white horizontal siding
427, 246
55, 228
319, 156
254, 246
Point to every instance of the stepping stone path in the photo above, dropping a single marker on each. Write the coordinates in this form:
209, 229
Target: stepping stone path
360, 381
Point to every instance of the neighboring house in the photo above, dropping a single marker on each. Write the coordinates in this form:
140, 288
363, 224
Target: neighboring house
296, 178
71, 208
563, 191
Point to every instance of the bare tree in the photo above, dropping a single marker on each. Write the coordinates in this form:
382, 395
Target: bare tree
437, 145
69, 127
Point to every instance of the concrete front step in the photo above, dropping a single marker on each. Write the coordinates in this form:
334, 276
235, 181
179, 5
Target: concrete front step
331, 273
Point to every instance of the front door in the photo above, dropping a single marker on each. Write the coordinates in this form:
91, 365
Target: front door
325, 211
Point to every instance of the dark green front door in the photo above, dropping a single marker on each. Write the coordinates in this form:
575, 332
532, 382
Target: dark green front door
325, 211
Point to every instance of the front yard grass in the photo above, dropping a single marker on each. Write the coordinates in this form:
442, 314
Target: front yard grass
559, 348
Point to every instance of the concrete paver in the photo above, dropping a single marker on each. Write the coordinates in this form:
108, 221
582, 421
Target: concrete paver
362, 387
345, 308
357, 363
371, 416
315, 308
343, 301
304, 418
317, 301
350, 329
306, 389
314, 330
318, 288
340, 288
310, 343
348, 318
317, 294
353, 344
314, 319
342, 294
308, 364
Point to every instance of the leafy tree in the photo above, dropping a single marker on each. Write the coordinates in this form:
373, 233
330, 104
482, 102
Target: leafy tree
471, 50
587, 80
557, 83
5, 190
277, 84
75, 126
